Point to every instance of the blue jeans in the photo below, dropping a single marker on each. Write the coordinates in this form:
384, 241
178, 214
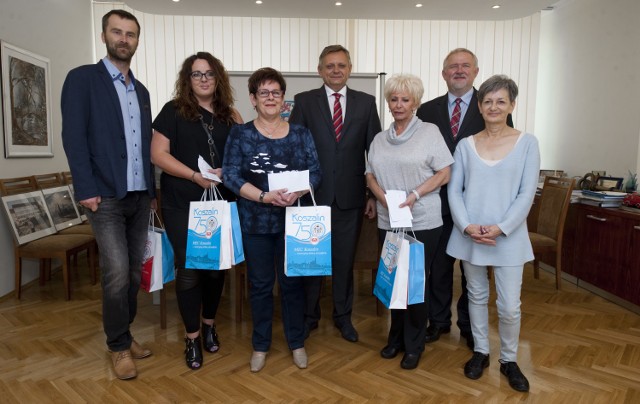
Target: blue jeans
120, 228
265, 260
508, 286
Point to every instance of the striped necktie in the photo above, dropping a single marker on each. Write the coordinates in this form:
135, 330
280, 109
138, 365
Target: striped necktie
455, 118
337, 117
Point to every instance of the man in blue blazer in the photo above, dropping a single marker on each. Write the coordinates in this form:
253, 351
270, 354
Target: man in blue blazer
343, 123
459, 71
106, 133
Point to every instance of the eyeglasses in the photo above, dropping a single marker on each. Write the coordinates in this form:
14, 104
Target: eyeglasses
208, 75
265, 93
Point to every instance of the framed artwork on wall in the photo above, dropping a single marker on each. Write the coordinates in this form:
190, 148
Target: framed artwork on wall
29, 216
61, 207
26, 103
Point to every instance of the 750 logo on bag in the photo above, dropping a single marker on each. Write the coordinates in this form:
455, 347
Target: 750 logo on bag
308, 241
206, 223
390, 259
207, 242
310, 228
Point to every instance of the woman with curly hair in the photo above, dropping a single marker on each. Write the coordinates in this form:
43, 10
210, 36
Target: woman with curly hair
195, 123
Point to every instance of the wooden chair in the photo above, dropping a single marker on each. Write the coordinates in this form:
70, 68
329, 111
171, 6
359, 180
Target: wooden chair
368, 254
62, 247
546, 237
241, 286
51, 180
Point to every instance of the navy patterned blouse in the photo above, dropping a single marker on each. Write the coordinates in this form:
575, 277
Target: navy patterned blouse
250, 157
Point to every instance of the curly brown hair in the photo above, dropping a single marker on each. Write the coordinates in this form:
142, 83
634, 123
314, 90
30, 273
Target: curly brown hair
186, 102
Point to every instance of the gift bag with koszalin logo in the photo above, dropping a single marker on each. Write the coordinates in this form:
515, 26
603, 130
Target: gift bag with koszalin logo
307, 249
209, 233
400, 279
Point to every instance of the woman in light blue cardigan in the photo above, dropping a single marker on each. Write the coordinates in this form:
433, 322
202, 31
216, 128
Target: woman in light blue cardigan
493, 183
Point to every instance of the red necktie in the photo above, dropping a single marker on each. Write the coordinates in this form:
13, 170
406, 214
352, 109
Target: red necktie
337, 117
455, 118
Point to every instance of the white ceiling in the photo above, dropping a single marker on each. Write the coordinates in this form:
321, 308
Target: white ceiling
350, 9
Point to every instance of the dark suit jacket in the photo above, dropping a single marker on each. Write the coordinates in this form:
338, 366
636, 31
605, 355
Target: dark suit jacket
342, 163
436, 112
93, 133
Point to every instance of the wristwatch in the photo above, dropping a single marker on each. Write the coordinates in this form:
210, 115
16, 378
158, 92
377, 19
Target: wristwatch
262, 194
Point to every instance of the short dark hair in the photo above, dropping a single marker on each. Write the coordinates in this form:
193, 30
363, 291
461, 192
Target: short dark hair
333, 49
122, 14
498, 82
264, 75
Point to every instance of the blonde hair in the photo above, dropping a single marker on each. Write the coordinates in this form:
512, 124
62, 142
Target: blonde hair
404, 82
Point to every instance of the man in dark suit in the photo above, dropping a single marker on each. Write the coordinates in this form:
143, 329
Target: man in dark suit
459, 70
343, 123
106, 133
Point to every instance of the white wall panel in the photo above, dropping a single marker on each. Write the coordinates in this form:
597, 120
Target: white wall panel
293, 45
218, 37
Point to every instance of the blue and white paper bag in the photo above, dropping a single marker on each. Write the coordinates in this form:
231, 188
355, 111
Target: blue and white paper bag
392, 276
236, 234
208, 237
307, 241
416, 271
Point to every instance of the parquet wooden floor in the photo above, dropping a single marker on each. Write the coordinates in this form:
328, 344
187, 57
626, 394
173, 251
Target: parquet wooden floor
575, 347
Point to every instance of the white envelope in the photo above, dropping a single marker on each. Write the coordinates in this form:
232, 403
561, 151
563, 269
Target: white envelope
204, 168
293, 181
398, 217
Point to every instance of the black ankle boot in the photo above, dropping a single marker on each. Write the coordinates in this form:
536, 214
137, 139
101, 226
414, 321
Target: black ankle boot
211, 343
193, 352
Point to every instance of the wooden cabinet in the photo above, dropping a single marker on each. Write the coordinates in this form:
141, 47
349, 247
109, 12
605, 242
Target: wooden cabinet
630, 264
602, 247
599, 247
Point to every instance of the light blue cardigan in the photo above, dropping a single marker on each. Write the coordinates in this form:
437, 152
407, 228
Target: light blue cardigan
501, 194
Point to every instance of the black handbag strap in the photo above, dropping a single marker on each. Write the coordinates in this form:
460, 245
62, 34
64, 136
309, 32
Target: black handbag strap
213, 151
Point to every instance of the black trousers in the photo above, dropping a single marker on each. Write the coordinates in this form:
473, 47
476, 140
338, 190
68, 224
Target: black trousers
198, 291
440, 293
409, 326
345, 228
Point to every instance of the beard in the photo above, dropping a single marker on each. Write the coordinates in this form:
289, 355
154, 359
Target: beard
122, 53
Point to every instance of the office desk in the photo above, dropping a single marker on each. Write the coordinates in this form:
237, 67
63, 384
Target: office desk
601, 249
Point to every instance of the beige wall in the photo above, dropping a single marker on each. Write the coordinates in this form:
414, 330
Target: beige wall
588, 113
62, 32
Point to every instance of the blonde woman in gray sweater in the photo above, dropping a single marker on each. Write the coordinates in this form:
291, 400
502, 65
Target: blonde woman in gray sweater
411, 156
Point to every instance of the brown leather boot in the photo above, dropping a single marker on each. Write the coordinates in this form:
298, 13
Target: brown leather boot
123, 365
138, 352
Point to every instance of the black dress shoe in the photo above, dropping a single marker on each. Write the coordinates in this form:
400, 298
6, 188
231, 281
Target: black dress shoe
193, 352
308, 327
390, 351
475, 366
410, 360
210, 337
434, 332
469, 338
517, 381
348, 332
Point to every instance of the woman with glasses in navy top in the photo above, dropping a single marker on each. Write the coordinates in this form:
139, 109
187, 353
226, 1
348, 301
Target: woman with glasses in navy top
268, 144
